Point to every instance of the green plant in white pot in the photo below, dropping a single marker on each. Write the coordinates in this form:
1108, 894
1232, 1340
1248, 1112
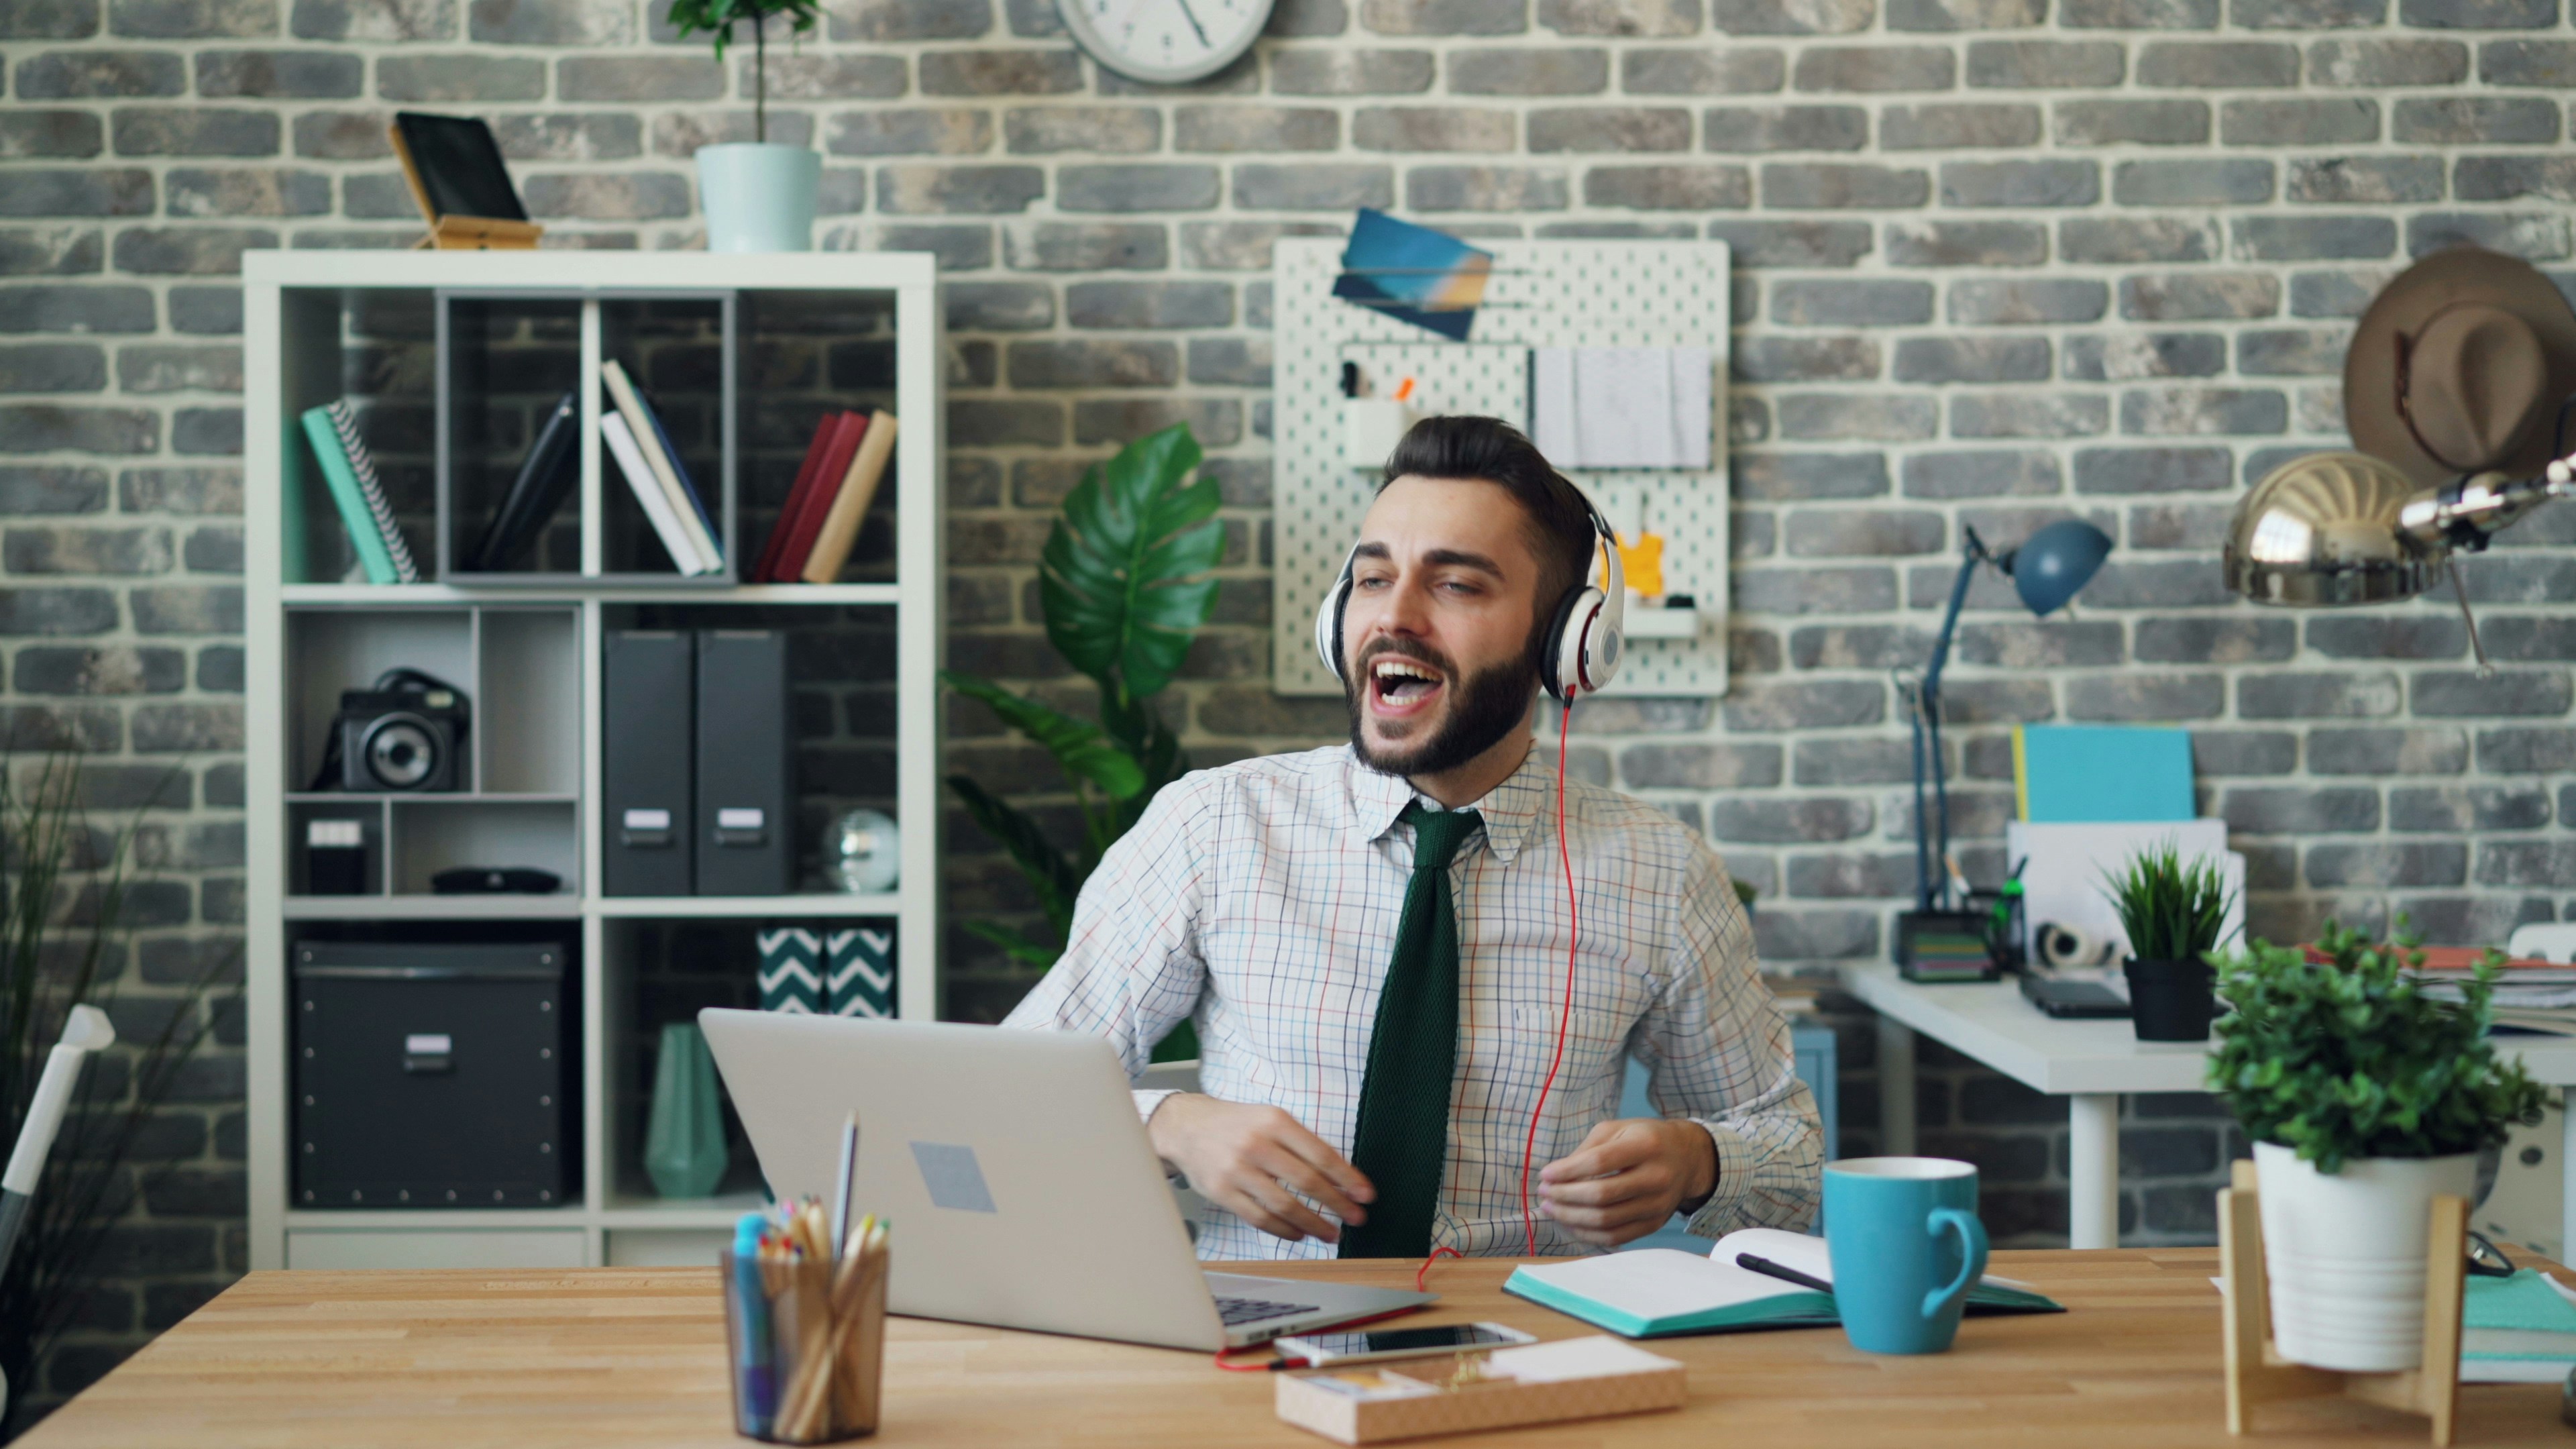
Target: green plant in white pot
2365, 1097
758, 195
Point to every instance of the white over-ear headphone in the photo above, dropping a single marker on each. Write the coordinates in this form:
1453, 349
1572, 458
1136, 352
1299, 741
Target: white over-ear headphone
1579, 653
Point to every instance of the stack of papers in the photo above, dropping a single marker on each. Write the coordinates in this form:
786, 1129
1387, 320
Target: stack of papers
1622, 407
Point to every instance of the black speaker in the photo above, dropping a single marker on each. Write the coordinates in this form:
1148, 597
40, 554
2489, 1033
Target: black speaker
434, 1075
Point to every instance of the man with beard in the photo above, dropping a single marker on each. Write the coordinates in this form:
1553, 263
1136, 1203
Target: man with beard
1375, 940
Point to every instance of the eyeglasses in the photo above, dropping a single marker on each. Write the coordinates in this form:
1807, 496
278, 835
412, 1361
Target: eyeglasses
2486, 1260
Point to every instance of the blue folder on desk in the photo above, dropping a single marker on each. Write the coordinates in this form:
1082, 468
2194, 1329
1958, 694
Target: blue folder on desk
1663, 1291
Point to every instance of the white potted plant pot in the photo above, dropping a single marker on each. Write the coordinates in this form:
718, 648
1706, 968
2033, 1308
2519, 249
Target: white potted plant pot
758, 196
2344, 1253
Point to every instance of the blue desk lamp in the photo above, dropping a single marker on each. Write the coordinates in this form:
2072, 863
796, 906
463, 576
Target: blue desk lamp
2047, 571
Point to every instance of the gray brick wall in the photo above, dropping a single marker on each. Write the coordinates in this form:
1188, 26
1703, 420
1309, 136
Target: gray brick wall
1998, 263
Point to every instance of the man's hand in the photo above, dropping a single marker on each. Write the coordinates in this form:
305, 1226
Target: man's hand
1627, 1178
1246, 1159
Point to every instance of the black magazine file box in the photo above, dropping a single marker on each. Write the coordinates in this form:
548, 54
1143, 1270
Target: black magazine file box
434, 1075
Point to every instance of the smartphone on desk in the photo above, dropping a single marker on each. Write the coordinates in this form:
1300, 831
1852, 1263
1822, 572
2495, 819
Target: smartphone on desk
1324, 1348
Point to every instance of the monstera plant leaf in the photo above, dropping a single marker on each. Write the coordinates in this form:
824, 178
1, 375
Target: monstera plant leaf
1054, 878
1123, 576
1080, 749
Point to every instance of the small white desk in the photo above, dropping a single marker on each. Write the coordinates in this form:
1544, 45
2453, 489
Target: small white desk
2092, 1064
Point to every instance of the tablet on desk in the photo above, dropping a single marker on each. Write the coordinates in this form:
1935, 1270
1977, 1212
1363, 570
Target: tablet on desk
2068, 997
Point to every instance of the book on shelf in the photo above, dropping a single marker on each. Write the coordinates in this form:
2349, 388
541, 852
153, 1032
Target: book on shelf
839, 532
849, 434
1651, 1292
827, 456
663, 460
359, 494
546, 475
629, 456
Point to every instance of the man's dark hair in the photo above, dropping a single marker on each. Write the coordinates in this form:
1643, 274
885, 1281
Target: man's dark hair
1558, 520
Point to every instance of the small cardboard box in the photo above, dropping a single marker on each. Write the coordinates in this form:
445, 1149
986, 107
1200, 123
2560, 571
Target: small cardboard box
1584, 1378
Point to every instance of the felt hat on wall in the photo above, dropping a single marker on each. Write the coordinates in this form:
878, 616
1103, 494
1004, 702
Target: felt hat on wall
2460, 366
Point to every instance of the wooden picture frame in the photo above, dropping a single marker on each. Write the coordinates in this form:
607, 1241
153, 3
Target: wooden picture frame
462, 185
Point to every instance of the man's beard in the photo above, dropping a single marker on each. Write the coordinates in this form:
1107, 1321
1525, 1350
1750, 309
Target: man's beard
1486, 707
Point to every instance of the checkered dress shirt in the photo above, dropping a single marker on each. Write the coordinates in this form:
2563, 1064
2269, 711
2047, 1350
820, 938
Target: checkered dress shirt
1260, 900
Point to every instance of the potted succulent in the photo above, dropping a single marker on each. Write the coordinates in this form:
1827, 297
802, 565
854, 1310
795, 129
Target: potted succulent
2365, 1095
757, 196
2174, 912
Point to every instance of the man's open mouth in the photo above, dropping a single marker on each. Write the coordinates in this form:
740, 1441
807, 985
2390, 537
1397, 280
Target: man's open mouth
1402, 686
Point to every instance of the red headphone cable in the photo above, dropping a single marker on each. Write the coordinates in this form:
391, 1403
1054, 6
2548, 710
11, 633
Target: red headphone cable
1565, 1015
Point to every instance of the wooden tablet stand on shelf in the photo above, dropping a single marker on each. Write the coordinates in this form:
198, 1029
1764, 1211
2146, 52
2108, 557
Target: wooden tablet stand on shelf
481, 234
2256, 1374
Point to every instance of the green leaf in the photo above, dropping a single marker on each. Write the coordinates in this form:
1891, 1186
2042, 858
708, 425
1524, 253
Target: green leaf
1048, 872
2348, 1057
1121, 577
1018, 947
1080, 749
717, 18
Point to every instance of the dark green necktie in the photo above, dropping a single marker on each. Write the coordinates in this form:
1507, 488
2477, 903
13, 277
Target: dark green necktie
1402, 1142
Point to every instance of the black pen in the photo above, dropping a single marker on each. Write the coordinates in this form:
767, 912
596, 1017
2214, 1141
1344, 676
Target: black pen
1769, 1269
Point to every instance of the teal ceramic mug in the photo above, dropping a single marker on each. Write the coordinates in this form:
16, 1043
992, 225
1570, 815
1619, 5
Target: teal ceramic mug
1906, 1247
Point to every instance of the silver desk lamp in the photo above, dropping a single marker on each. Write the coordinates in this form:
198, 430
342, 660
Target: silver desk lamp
2333, 529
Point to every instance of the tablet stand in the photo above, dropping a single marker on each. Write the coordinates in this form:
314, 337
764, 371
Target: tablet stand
481, 234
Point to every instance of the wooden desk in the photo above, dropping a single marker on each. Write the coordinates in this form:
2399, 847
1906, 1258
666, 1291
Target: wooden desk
606, 1356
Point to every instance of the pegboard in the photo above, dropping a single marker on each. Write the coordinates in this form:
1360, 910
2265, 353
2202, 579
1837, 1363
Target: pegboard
1542, 294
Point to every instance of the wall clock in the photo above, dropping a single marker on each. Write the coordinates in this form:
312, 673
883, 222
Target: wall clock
1165, 41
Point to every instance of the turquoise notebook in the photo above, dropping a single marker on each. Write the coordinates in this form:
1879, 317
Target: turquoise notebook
2092, 774
1655, 1292
2516, 1330
345, 492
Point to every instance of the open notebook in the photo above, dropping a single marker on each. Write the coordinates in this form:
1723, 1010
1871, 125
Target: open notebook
1658, 1291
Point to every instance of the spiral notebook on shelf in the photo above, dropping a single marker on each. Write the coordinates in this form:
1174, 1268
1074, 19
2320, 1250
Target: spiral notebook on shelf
1655, 1292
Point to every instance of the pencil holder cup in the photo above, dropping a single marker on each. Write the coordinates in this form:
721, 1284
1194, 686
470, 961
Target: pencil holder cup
806, 1362
1371, 427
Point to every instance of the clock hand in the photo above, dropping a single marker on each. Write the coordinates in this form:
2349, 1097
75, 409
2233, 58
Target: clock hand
1192, 17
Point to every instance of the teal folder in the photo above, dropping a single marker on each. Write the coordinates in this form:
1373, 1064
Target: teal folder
2091, 774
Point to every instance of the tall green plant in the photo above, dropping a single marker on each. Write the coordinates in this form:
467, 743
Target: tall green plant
62, 943
2173, 910
718, 18
1124, 587
2349, 1056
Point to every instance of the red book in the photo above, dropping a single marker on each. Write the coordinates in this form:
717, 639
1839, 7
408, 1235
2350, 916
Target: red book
818, 499
815, 452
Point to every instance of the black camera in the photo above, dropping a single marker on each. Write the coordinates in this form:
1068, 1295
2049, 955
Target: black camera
404, 732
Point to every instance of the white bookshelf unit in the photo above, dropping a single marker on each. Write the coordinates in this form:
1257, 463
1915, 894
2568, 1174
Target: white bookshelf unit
800, 333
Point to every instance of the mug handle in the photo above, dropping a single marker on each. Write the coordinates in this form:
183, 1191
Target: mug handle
1972, 1250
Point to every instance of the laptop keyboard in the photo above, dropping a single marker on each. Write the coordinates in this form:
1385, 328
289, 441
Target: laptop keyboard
1251, 1310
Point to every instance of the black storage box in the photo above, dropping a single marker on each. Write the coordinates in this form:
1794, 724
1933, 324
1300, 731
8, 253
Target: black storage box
434, 1075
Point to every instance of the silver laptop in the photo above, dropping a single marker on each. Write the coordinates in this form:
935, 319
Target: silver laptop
1020, 1184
